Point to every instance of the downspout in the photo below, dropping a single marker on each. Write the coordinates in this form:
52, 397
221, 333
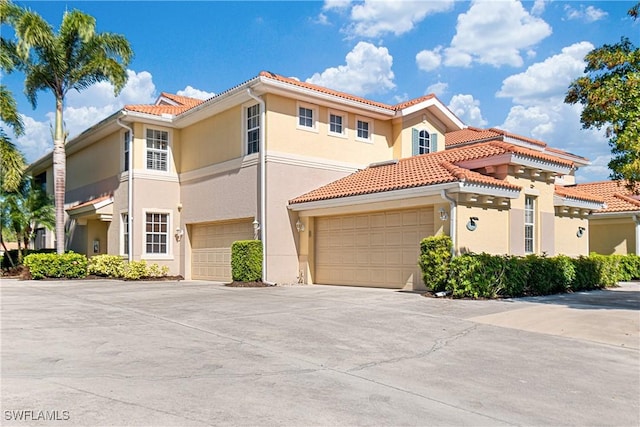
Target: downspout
452, 218
130, 188
262, 148
636, 220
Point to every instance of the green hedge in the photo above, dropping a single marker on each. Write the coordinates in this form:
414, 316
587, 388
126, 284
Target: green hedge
69, 265
6, 264
490, 276
435, 256
246, 260
117, 267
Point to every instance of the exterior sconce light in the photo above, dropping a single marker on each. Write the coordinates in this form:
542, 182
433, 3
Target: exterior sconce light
179, 234
580, 232
256, 229
444, 215
299, 226
471, 225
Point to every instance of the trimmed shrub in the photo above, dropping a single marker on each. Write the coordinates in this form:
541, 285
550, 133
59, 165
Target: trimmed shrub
596, 271
435, 256
629, 267
549, 275
51, 265
135, 270
107, 265
13, 253
487, 276
246, 260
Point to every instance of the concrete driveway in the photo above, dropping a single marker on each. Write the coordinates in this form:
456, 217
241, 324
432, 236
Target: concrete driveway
113, 353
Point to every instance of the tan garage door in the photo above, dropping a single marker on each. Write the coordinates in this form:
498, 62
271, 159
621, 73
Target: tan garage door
211, 248
377, 249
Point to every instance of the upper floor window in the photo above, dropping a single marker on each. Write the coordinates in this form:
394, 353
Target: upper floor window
157, 233
529, 224
364, 130
337, 124
157, 149
125, 150
423, 142
253, 129
307, 117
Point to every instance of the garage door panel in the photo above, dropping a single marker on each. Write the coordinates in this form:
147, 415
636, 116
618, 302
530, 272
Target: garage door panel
211, 248
377, 249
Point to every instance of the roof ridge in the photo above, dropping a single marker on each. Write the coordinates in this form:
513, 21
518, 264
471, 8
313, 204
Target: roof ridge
627, 199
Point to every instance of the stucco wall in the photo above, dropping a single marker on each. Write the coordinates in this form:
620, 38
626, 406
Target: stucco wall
213, 140
284, 136
612, 236
491, 233
97, 162
566, 239
421, 120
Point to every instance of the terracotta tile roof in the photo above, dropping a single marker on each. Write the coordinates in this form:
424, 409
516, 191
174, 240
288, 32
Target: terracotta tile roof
411, 102
325, 90
90, 202
617, 197
573, 193
158, 109
473, 134
419, 171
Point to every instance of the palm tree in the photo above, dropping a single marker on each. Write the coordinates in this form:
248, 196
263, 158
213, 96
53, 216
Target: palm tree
75, 57
12, 163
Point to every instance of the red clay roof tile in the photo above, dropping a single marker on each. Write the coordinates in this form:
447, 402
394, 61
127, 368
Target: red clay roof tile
617, 197
573, 193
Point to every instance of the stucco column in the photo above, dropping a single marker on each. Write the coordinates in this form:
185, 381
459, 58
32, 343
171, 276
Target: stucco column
636, 220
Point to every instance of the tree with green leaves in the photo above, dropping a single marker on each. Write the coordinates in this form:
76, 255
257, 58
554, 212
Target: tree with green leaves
12, 162
610, 95
26, 209
74, 58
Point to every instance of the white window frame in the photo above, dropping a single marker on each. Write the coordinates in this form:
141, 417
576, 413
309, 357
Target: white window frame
126, 146
150, 255
344, 117
424, 149
369, 139
530, 224
314, 117
246, 129
124, 226
147, 150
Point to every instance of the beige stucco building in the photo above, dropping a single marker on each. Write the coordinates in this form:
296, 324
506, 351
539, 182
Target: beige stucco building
339, 188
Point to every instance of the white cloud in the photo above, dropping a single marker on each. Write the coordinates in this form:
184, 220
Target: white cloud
374, 18
467, 109
588, 14
428, 60
494, 33
547, 79
85, 109
438, 89
598, 170
192, 92
367, 71
538, 7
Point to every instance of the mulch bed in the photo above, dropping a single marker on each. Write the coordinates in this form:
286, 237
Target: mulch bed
236, 284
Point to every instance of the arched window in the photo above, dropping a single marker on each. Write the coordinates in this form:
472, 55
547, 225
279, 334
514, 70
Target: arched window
424, 142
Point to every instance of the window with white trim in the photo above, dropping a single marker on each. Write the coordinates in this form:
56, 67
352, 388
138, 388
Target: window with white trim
125, 151
156, 233
157, 150
307, 117
424, 142
364, 130
529, 224
337, 124
253, 129
124, 227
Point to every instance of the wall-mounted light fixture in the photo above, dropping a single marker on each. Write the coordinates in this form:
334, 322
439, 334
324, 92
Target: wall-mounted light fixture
299, 226
580, 232
256, 229
472, 224
444, 215
179, 234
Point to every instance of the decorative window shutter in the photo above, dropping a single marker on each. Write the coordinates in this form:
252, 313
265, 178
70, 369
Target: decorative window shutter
415, 140
434, 142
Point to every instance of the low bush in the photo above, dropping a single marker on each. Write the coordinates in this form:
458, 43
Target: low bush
12, 255
69, 265
246, 260
549, 275
629, 267
107, 265
435, 256
135, 270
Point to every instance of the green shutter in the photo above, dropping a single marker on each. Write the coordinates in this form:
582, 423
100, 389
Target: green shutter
415, 138
434, 142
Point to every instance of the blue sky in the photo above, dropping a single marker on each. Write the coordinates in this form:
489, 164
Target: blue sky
497, 63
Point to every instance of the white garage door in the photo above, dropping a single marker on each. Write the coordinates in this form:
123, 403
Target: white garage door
376, 249
211, 248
